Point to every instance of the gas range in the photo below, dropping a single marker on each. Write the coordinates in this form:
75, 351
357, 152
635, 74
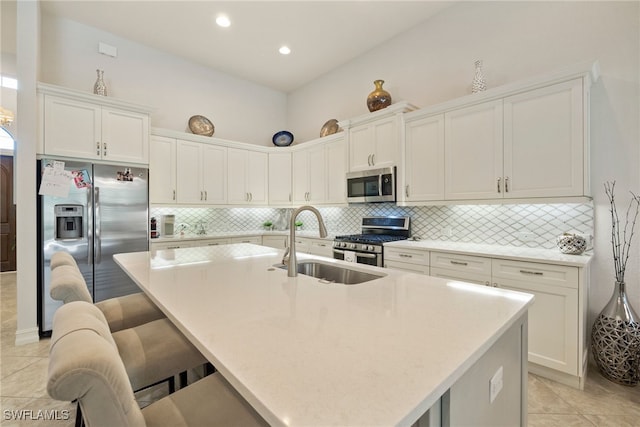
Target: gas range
367, 247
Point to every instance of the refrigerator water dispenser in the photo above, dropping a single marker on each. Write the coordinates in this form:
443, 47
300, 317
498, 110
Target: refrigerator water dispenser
69, 221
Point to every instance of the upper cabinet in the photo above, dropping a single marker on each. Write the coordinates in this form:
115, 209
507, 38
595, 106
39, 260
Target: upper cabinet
247, 177
375, 138
280, 179
85, 126
162, 170
202, 173
319, 170
520, 142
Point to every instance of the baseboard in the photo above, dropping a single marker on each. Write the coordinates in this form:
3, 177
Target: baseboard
557, 376
27, 336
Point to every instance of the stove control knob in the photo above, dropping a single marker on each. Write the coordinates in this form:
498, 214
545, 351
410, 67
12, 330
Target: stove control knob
352, 246
370, 247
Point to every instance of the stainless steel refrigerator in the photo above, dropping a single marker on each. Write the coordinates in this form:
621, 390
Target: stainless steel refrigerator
106, 212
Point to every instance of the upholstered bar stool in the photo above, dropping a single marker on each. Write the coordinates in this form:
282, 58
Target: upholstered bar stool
84, 364
152, 352
121, 312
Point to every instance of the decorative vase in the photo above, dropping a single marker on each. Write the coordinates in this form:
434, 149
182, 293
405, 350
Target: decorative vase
99, 88
478, 84
615, 340
379, 98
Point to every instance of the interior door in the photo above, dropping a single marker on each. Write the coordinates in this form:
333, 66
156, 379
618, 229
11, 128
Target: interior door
7, 216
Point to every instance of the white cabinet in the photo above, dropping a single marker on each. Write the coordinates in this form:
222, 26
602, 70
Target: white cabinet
309, 175
321, 247
80, 125
544, 149
162, 170
555, 340
374, 139
278, 242
466, 268
211, 242
527, 145
247, 177
319, 172
201, 172
280, 179
423, 159
473, 152
407, 259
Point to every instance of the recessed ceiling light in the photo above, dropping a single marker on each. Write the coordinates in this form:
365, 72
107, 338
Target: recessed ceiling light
284, 50
223, 21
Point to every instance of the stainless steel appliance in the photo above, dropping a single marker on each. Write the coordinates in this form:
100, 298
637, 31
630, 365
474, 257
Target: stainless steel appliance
168, 222
106, 212
374, 185
367, 247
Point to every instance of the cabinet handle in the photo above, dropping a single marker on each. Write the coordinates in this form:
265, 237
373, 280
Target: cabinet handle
289, 196
487, 283
201, 195
495, 285
406, 190
506, 184
499, 180
250, 196
534, 273
246, 197
458, 263
174, 194
98, 148
373, 160
369, 160
406, 256
105, 149
322, 244
205, 195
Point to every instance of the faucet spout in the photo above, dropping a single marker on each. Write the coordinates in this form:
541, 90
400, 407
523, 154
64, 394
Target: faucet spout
292, 269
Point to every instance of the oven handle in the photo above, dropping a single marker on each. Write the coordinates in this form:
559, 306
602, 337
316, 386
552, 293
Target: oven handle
358, 254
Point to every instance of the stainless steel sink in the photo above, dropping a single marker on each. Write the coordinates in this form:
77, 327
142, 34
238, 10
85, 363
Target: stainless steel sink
331, 273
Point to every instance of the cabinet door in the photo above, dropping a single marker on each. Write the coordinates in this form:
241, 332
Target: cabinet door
214, 174
553, 325
300, 176
278, 242
280, 179
336, 153
361, 147
257, 177
473, 152
317, 175
162, 170
461, 276
189, 172
237, 192
385, 143
125, 136
424, 159
72, 128
544, 142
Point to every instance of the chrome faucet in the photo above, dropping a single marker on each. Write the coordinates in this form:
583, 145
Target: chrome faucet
292, 270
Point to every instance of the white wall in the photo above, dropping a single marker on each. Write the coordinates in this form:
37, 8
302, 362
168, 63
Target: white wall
434, 62
178, 89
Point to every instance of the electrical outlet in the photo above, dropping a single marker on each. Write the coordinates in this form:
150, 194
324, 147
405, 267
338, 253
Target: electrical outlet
525, 236
446, 231
495, 385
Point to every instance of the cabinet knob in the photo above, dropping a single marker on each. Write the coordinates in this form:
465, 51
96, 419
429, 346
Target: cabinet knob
98, 148
105, 149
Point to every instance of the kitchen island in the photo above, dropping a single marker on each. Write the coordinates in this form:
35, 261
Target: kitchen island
391, 351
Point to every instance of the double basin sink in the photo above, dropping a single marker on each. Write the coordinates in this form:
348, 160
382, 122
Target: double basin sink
332, 273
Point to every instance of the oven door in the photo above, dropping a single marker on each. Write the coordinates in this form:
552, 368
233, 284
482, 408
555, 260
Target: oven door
360, 257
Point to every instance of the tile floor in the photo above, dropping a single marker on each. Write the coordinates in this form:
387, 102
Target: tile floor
23, 372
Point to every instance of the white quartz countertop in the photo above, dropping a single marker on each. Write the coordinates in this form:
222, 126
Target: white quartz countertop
305, 353
549, 256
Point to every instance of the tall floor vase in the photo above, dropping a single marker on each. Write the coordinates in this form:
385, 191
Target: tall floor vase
615, 340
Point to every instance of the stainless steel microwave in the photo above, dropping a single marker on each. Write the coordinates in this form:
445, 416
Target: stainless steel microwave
375, 185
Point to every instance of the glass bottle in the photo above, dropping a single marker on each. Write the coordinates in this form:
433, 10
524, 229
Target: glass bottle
99, 88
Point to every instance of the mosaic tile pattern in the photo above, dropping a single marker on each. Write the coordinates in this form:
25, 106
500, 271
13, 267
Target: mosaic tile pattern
486, 224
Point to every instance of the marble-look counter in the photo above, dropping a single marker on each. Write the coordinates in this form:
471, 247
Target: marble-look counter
549, 256
315, 354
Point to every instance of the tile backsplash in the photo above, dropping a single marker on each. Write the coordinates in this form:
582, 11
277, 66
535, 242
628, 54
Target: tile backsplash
534, 225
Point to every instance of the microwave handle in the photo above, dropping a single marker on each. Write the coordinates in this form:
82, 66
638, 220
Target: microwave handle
380, 185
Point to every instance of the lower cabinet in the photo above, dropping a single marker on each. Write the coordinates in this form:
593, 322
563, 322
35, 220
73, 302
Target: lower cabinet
256, 240
557, 319
278, 242
554, 338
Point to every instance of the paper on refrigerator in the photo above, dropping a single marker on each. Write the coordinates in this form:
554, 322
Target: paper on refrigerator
55, 180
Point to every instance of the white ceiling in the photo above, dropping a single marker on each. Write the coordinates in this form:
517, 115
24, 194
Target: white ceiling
321, 34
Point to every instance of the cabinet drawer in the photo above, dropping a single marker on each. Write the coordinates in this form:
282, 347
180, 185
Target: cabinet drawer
170, 245
463, 263
322, 248
404, 266
410, 256
462, 276
212, 242
256, 240
549, 274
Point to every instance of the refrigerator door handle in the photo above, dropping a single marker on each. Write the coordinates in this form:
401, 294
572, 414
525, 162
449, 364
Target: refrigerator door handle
89, 227
98, 227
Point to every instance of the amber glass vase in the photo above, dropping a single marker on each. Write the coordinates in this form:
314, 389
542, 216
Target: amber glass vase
379, 98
